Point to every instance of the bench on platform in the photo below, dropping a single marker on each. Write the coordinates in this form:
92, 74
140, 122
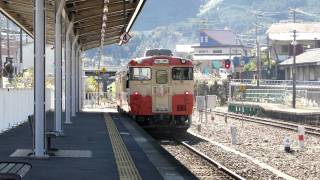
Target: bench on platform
49, 134
13, 170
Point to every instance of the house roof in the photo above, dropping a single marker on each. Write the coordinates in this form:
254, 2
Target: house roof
224, 37
284, 31
212, 57
87, 17
309, 57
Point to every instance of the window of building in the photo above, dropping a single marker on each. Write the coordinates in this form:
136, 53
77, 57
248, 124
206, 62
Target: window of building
206, 39
312, 73
203, 51
284, 48
182, 73
300, 76
317, 73
140, 74
219, 51
162, 77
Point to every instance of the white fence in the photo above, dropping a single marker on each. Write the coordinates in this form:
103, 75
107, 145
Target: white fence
99, 100
17, 104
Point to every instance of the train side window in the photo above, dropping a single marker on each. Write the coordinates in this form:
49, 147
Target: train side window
162, 77
127, 81
140, 74
182, 73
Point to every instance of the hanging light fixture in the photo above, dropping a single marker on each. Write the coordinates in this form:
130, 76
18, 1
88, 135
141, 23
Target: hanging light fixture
104, 20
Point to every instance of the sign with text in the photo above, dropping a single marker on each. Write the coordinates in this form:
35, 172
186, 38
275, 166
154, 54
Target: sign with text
125, 37
211, 101
201, 103
161, 61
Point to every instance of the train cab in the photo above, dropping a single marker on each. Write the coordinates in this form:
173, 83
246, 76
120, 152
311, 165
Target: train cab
159, 90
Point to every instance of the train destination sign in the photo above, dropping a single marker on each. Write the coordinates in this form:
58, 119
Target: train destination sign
161, 61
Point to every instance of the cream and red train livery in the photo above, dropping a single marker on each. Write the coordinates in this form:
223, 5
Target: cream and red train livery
157, 90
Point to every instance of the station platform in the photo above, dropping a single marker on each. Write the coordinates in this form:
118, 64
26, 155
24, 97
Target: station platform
96, 146
277, 111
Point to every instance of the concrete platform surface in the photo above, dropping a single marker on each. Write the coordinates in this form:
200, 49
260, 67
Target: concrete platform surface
89, 134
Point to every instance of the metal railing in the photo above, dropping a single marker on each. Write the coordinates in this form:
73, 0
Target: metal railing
99, 100
278, 83
305, 98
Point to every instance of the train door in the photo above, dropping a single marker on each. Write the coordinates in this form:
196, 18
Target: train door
161, 90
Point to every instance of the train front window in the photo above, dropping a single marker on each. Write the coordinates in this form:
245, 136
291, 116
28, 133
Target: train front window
162, 77
182, 73
140, 74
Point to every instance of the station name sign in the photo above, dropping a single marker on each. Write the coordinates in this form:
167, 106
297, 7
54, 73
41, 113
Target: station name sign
161, 61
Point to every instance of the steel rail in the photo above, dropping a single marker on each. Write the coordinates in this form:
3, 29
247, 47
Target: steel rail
213, 162
275, 123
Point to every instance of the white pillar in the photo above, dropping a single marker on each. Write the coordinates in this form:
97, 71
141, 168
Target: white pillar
58, 68
77, 77
234, 139
73, 77
68, 75
82, 79
39, 77
301, 132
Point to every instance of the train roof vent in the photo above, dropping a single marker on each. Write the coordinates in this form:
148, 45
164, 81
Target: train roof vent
159, 52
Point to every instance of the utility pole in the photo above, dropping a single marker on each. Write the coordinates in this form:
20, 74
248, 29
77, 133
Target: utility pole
268, 57
8, 39
294, 44
294, 15
257, 53
100, 58
21, 55
293, 11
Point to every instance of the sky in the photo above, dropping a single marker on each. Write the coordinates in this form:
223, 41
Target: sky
165, 12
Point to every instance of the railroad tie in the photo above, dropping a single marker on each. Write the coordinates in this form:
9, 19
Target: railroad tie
126, 167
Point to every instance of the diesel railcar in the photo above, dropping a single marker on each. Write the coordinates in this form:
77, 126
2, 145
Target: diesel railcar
157, 90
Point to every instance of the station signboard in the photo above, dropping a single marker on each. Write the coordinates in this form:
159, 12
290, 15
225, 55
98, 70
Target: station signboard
211, 101
201, 103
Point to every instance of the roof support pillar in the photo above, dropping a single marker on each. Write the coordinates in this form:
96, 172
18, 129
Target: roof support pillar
68, 75
81, 87
73, 76
39, 78
77, 77
58, 67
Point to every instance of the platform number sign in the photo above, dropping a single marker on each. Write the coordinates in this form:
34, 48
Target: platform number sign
242, 90
125, 37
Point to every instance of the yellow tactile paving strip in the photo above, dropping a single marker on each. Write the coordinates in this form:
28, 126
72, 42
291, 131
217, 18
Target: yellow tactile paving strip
126, 167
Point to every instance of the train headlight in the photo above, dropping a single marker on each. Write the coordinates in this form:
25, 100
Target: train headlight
136, 93
183, 61
187, 92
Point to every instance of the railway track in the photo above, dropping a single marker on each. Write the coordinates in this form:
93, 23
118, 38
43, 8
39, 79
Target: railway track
271, 122
201, 165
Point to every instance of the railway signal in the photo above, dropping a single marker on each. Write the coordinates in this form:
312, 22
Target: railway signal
227, 63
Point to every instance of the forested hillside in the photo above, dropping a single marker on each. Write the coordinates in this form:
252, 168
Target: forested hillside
165, 23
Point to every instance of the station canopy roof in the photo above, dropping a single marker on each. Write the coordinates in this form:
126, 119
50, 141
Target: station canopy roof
87, 16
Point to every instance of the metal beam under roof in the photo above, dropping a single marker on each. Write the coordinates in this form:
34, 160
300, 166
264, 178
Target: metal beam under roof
87, 15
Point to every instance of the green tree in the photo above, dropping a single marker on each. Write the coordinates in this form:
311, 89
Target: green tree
251, 66
91, 84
